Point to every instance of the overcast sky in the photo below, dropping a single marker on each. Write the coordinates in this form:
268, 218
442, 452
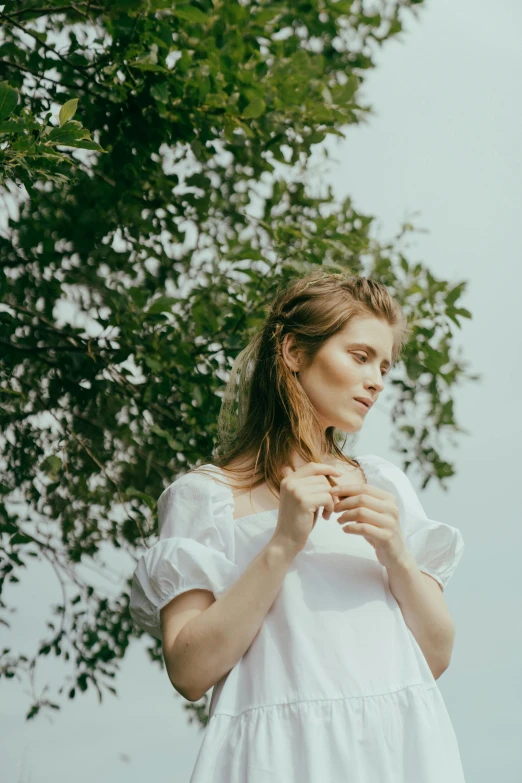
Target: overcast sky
446, 142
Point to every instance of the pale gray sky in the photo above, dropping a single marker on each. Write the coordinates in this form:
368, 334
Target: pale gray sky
445, 141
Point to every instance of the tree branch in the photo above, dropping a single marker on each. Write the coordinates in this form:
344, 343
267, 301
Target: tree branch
95, 460
52, 327
53, 81
35, 348
80, 69
56, 10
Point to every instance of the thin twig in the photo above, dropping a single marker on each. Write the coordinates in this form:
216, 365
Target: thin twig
53, 81
34, 349
56, 10
95, 460
35, 314
80, 69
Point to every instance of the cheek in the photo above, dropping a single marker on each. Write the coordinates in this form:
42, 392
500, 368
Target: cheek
342, 370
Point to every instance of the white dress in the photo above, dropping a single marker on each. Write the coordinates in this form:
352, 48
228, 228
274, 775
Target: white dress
334, 686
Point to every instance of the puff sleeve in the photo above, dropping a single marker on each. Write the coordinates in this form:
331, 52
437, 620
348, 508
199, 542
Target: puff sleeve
195, 550
436, 546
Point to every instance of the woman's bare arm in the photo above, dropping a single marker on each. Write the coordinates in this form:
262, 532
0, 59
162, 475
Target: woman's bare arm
210, 644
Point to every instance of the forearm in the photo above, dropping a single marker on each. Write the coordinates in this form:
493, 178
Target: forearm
425, 613
210, 645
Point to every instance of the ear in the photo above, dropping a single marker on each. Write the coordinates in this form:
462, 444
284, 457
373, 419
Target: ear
290, 352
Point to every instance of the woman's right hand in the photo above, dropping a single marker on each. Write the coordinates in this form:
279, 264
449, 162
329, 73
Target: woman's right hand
301, 493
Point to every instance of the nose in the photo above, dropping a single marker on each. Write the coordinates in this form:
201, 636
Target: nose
375, 382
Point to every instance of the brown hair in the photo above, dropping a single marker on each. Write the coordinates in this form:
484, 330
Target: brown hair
266, 415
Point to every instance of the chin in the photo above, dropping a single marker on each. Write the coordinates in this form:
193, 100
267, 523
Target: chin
347, 427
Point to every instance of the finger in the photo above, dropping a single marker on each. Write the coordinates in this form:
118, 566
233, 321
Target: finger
329, 503
317, 497
368, 531
318, 469
367, 489
318, 484
364, 515
362, 501
321, 499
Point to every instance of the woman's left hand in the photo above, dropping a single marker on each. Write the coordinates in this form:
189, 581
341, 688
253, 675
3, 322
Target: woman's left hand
375, 515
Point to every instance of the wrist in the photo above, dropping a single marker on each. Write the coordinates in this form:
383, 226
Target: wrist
283, 547
405, 563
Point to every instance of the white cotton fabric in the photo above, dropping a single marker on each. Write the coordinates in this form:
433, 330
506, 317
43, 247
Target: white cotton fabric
334, 686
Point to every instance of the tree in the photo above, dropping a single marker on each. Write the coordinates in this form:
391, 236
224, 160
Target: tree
165, 214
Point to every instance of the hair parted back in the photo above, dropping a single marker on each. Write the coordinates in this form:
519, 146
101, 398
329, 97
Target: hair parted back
266, 415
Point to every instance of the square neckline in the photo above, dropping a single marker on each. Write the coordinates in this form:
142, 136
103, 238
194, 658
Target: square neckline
266, 510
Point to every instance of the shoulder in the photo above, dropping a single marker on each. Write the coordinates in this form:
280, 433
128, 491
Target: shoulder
377, 464
195, 503
389, 475
199, 485
374, 465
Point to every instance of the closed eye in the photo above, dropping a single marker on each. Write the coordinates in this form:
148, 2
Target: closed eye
363, 356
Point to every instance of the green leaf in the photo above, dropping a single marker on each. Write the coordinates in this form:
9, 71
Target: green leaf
264, 17
87, 144
73, 134
20, 538
15, 126
8, 100
189, 13
67, 111
344, 93
35, 709
66, 139
148, 66
153, 364
26, 180
255, 108
131, 492
173, 443
454, 294
73, 131
161, 305
160, 92
51, 465
82, 681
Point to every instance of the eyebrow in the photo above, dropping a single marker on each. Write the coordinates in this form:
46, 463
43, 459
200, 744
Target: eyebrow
371, 351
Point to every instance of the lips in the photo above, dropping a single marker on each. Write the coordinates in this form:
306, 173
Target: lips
365, 401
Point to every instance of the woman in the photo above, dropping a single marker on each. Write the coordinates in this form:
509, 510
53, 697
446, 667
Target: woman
305, 585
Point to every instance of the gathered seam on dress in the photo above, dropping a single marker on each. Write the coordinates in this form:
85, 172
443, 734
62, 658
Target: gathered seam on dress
336, 698
182, 589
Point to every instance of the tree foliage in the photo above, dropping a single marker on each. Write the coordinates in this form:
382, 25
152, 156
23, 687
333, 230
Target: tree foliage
140, 243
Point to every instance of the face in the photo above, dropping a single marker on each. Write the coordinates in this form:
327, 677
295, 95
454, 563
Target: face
344, 369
